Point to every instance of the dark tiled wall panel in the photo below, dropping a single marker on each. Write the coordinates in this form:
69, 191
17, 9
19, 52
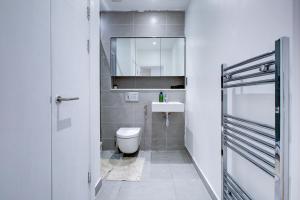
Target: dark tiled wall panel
125, 82
115, 112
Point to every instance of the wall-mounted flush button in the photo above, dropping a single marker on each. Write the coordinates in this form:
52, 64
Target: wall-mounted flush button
132, 96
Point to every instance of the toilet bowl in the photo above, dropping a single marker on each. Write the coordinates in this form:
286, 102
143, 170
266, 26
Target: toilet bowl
128, 139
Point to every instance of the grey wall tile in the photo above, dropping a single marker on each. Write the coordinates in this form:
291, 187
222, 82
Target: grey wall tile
108, 144
112, 99
139, 114
116, 31
115, 112
124, 114
175, 30
155, 30
147, 136
116, 18
175, 129
104, 64
158, 139
149, 18
105, 83
176, 96
158, 117
124, 82
175, 135
175, 143
109, 130
176, 119
150, 82
147, 144
177, 18
105, 51
148, 97
180, 80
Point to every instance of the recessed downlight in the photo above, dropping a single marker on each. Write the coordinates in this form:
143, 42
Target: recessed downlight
153, 20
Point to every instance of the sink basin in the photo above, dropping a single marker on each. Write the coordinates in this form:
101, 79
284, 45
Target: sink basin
171, 106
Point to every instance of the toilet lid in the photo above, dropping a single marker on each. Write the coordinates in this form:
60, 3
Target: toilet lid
128, 132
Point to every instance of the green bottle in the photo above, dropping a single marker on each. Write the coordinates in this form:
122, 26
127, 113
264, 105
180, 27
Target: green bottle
161, 97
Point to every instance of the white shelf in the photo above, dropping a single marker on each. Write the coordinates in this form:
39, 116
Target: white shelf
147, 89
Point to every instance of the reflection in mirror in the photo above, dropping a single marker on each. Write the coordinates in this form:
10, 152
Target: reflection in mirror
123, 57
148, 57
172, 56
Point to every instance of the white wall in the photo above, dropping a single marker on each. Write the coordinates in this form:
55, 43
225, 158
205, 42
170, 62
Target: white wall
295, 107
230, 31
95, 93
25, 109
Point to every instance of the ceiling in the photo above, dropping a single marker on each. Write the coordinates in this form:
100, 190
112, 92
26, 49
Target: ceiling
143, 5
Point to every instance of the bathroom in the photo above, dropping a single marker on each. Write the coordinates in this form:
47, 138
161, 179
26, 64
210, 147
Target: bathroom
144, 41
152, 105
150, 100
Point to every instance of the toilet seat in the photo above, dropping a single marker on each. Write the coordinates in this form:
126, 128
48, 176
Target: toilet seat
126, 133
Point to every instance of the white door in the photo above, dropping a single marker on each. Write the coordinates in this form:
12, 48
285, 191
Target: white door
25, 109
70, 119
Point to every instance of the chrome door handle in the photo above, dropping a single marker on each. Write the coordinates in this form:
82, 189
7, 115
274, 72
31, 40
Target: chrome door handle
60, 99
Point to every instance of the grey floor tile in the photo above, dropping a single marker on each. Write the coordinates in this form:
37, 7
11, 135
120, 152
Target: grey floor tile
146, 155
190, 190
184, 172
159, 157
109, 190
147, 190
156, 172
167, 175
107, 154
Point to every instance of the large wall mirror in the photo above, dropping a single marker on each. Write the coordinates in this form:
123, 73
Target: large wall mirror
148, 56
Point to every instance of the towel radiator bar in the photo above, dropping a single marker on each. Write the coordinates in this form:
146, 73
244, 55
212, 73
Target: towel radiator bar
263, 145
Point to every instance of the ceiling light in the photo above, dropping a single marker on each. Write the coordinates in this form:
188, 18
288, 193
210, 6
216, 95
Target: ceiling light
153, 20
154, 43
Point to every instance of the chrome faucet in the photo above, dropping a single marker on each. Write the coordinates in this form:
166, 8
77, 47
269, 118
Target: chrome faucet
165, 98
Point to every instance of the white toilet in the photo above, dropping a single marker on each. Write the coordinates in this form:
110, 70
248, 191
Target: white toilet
128, 139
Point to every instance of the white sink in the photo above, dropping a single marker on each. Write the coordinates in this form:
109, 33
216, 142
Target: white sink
166, 107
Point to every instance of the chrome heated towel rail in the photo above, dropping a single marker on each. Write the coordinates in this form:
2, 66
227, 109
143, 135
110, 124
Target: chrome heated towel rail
263, 145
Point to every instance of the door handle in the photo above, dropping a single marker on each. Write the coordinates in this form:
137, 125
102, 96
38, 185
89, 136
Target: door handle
60, 99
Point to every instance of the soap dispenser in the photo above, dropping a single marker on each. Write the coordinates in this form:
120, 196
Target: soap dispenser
161, 97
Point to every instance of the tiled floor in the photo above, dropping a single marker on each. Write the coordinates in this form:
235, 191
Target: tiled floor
168, 175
